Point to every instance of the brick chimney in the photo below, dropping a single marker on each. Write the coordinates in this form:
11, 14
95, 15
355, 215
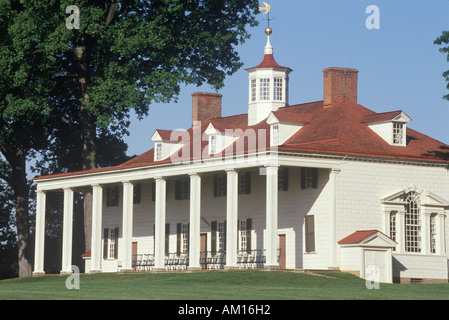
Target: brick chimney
206, 106
339, 83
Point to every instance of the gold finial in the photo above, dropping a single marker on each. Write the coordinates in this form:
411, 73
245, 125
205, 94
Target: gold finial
268, 31
267, 8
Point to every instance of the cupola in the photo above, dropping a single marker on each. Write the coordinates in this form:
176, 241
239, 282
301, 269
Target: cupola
268, 86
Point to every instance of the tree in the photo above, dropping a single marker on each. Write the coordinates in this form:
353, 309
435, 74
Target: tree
124, 56
444, 39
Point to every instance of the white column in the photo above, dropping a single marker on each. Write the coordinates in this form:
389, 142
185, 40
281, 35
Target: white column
127, 223
195, 216
333, 218
40, 233
67, 232
271, 237
400, 231
231, 219
159, 254
97, 212
425, 231
440, 247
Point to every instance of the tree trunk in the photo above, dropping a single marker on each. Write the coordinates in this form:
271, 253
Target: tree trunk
88, 133
20, 187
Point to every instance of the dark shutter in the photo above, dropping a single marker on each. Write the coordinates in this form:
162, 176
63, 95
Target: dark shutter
105, 243
213, 236
137, 192
285, 179
303, 178
115, 196
314, 178
178, 188
215, 186
116, 243
153, 191
248, 235
167, 237
248, 182
310, 233
178, 238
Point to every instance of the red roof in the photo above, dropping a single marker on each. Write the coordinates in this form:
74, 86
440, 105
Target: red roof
268, 62
335, 130
359, 236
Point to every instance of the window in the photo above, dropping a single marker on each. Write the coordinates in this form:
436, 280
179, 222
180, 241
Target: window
310, 233
278, 88
309, 178
221, 236
264, 89
110, 250
253, 89
112, 196
182, 235
433, 233
220, 185
158, 151
244, 183
274, 134
182, 189
213, 144
413, 223
398, 133
244, 233
393, 226
283, 179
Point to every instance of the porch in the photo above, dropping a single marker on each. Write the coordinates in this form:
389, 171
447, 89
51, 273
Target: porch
209, 260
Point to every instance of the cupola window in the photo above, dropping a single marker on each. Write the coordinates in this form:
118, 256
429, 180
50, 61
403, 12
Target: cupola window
278, 84
265, 89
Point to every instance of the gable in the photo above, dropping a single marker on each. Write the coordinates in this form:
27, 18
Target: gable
372, 238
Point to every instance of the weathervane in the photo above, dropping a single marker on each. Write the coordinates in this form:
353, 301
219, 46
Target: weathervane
267, 10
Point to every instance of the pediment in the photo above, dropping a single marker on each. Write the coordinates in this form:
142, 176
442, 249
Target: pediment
428, 198
371, 238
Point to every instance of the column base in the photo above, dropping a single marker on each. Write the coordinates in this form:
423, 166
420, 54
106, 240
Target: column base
38, 273
66, 273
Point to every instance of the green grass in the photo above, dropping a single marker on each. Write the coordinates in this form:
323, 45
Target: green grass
219, 285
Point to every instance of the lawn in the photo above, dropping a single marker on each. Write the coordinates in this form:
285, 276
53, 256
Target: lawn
218, 285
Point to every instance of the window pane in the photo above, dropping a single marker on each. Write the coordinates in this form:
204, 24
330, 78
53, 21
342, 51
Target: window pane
265, 89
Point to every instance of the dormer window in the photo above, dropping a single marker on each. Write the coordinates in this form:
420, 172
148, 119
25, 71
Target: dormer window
398, 133
213, 144
390, 126
265, 89
159, 151
274, 135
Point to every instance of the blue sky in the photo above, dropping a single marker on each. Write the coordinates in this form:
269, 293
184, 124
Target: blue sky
399, 66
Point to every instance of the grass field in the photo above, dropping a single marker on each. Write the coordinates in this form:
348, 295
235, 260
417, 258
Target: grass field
230, 285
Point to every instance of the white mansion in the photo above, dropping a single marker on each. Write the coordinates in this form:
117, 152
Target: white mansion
321, 185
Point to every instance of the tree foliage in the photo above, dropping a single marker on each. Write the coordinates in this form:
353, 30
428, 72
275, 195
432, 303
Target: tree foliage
443, 39
63, 90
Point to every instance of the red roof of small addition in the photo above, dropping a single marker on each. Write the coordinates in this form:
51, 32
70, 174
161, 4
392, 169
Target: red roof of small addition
358, 236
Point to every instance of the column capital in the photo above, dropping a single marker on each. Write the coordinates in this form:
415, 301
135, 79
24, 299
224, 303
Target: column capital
335, 170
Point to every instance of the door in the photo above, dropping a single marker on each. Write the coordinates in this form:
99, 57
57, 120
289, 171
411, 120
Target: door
203, 250
134, 255
282, 256
376, 267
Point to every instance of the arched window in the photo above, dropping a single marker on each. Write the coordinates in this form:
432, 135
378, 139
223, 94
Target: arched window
413, 223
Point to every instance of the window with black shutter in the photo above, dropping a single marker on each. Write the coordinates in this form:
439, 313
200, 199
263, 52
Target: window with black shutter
309, 178
112, 196
137, 193
244, 183
220, 185
283, 179
182, 189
